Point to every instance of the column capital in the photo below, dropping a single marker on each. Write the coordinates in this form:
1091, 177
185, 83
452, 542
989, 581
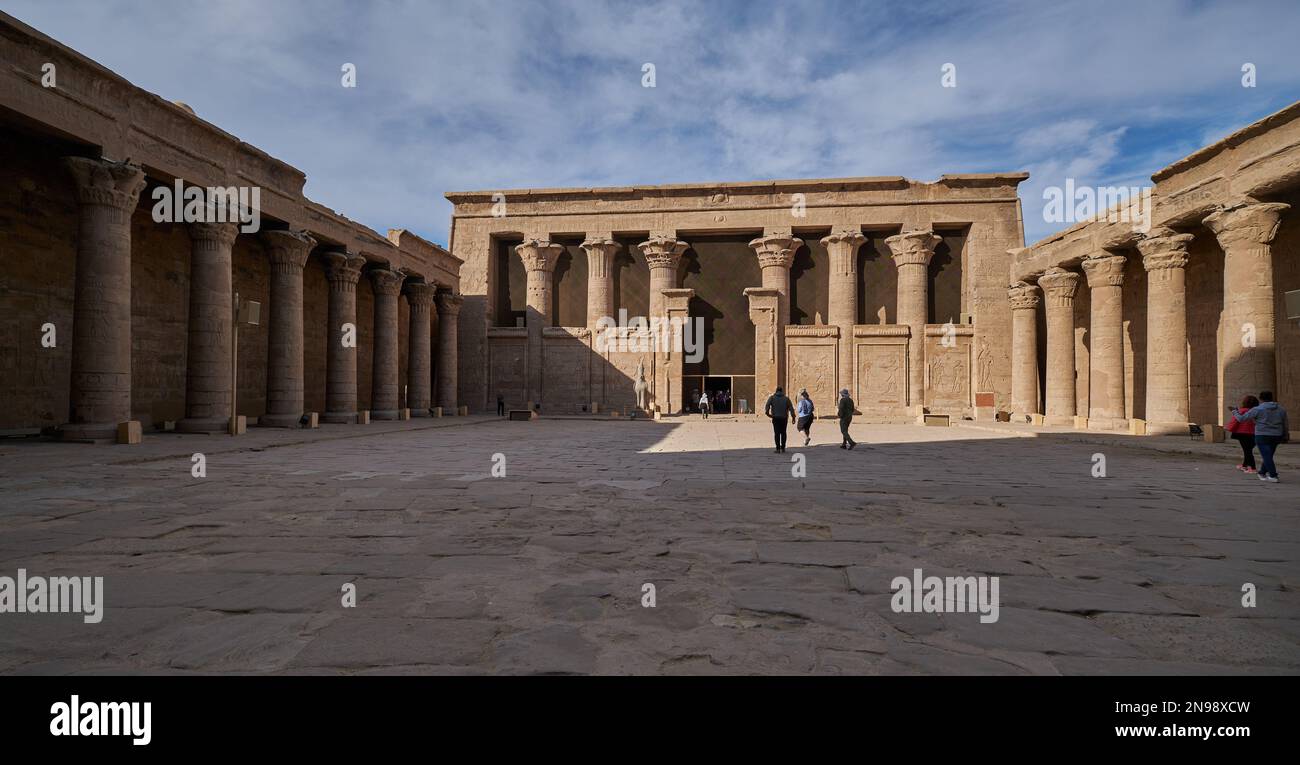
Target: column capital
600, 244
288, 248
913, 247
449, 303
343, 267
104, 182
1024, 295
1105, 270
776, 250
221, 233
850, 236
386, 281
1164, 249
663, 251
1059, 284
539, 254
419, 293
1252, 224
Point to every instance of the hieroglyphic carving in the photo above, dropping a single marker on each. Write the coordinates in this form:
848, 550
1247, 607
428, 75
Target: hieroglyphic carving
812, 366
882, 375
948, 375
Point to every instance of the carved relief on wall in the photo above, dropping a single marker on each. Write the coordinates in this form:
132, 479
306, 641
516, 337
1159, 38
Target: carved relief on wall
947, 375
882, 375
812, 367
984, 365
565, 374
507, 370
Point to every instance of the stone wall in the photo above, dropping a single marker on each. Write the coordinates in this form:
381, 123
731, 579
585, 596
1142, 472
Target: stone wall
38, 229
963, 276
119, 293
1217, 253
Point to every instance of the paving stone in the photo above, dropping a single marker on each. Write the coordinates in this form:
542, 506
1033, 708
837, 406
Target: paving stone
541, 572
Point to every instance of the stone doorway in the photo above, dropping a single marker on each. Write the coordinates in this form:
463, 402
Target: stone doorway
736, 390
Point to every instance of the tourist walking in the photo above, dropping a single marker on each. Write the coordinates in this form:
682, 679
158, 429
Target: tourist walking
501, 405
805, 412
704, 404
1271, 429
1244, 434
781, 411
845, 414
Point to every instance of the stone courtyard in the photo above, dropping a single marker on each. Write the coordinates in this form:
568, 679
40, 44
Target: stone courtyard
542, 570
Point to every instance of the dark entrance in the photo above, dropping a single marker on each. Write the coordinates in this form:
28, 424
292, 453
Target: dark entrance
734, 390
719, 391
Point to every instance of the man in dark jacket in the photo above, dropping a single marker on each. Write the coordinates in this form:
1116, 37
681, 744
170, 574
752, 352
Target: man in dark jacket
845, 413
781, 411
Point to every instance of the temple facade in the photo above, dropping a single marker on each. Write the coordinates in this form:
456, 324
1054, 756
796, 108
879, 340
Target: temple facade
120, 317
892, 288
1158, 319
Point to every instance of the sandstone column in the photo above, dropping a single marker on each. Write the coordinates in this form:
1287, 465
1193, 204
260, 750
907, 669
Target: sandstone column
1106, 377
343, 271
1168, 404
1058, 287
100, 393
912, 251
419, 369
1025, 299
775, 251
539, 257
1245, 234
288, 251
842, 310
385, 397
448, 310
662, 255
600, 251
775, 254
212, 297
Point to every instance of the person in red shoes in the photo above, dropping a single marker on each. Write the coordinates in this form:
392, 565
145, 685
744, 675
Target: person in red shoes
1243, 431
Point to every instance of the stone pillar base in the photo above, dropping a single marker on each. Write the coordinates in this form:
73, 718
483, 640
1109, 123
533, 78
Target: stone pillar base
340, 418
1107, 423
130, 432
280, 421
421, 413
1057, 420
386, 414
203, 425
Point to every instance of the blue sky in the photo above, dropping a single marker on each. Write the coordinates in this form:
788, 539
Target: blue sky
515, 94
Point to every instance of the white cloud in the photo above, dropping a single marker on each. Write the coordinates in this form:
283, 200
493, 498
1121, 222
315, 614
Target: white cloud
511, 94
